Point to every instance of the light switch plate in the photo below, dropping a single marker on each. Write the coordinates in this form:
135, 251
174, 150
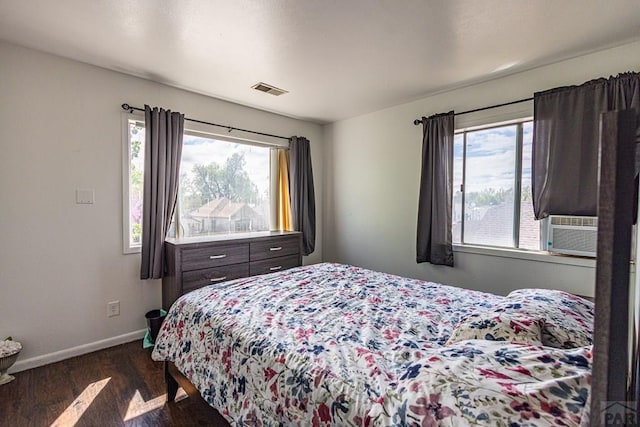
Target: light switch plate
85, 196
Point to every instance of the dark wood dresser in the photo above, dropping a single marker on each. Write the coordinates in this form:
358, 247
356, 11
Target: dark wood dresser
195, 262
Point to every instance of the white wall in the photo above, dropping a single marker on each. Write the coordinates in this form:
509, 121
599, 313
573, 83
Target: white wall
373, 170
60, 263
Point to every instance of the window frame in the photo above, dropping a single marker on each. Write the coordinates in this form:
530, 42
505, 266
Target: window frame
517, 186
194, 129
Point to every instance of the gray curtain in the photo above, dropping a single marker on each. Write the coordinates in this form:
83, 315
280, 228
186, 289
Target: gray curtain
436, 191
163, 148
303, 202
566, 135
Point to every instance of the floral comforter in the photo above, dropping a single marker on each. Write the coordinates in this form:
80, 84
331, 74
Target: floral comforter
332, 344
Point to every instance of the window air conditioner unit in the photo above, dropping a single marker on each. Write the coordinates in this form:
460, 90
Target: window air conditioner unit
573, 235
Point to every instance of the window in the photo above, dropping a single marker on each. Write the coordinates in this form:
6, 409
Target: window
492, 204
132, 185
224, 186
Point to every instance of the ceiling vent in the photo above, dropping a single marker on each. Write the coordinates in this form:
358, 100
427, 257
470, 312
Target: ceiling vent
272, 90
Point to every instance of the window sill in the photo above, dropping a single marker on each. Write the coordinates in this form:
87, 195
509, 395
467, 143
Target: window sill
539, 256
132, 250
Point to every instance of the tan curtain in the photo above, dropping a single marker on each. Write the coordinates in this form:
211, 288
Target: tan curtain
284, 222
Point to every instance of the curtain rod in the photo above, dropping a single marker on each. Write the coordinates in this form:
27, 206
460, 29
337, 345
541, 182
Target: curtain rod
130, 109
419, 121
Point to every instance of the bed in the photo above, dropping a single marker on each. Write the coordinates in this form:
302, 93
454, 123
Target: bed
333, 344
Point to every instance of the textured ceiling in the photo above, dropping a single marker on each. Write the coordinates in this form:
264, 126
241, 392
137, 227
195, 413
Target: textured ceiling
337, 58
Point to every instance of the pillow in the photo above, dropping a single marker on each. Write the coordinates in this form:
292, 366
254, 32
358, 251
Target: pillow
495, 326
568, 318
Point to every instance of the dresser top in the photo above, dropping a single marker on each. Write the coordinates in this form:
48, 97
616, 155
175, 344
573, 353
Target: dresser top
232, 238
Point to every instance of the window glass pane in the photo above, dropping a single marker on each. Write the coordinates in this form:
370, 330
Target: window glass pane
136, 174
224, 187
529, 227
489, 183
458, 154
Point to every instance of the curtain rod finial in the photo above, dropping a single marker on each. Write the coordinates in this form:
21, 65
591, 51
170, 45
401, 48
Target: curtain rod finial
127, 107
417, 122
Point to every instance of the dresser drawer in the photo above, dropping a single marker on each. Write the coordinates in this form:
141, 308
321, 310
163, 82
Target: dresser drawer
213, 256
272, 265
275, 248
209, 276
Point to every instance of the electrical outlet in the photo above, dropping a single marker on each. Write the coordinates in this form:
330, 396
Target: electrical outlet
113, 308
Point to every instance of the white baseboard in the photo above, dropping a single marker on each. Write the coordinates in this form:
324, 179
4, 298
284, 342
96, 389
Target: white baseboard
45, 359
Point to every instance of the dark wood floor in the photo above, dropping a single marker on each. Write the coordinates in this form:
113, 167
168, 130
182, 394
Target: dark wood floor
119, 386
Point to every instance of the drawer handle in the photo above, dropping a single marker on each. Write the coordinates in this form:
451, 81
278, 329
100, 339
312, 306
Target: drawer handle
219, 279
275, 268
276, 248
218, 256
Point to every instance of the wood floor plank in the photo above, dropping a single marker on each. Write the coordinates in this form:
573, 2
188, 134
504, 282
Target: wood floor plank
118, 386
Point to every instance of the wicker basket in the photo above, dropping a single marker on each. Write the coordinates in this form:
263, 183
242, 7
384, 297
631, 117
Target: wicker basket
5, 363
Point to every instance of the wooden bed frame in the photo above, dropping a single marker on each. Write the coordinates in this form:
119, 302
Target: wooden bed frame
613, 379
611, 348
175, 379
